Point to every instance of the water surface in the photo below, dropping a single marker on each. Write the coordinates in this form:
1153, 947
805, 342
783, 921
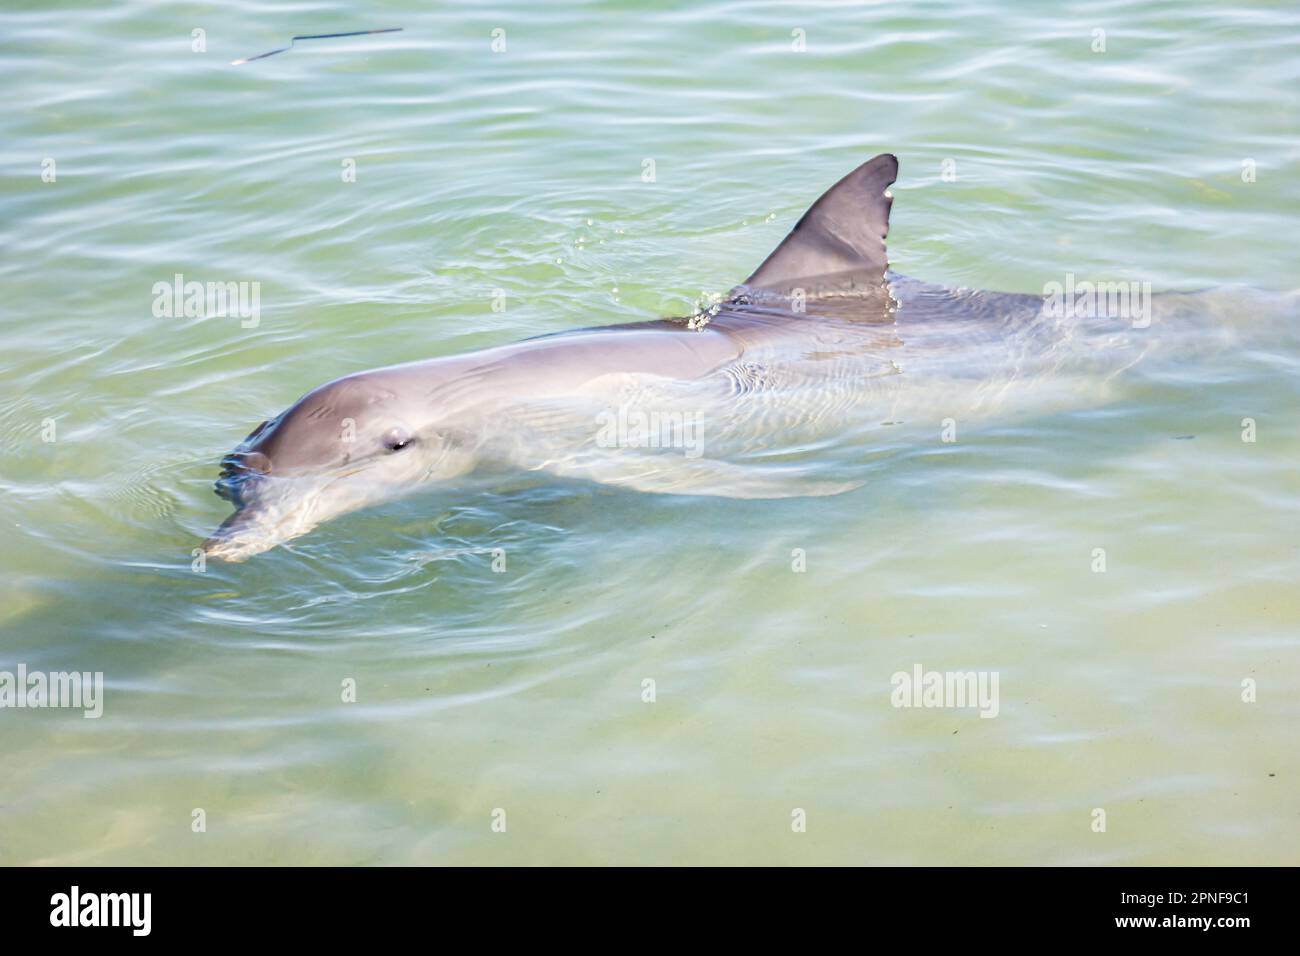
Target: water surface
519, 177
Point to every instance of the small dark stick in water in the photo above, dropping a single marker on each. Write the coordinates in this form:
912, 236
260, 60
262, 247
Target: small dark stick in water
312, 36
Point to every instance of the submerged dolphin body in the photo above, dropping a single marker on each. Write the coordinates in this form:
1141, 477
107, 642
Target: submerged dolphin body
820, 335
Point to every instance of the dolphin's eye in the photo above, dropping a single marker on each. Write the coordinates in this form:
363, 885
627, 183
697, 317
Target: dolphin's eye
395, 439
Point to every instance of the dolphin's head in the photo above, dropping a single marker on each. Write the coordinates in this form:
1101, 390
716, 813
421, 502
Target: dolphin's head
345, 445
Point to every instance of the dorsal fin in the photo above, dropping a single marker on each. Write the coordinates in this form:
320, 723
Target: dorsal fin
843, 231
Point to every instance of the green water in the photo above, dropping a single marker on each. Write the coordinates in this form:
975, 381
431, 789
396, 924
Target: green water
520, 173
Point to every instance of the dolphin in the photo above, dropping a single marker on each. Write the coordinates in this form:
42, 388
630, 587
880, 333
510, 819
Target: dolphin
822, 335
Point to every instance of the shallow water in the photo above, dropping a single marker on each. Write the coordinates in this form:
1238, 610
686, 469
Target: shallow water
520, 174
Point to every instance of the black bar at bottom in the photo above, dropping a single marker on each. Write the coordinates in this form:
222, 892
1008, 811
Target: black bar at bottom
330, 906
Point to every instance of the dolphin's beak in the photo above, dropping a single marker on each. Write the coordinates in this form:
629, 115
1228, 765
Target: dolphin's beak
271, 509
239, 537
251, 529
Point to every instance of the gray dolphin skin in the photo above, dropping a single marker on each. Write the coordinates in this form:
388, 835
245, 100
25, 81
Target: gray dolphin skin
822, 335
